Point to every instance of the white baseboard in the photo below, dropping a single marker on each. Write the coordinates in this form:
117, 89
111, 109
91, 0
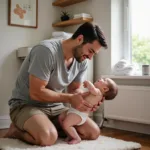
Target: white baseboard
128, 126
4, 121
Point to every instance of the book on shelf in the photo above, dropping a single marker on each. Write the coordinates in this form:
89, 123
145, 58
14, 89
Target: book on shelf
82, 15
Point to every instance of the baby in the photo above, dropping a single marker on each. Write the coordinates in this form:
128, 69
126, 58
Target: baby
104, 88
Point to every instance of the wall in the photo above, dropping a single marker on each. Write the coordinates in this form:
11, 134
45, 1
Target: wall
11, 38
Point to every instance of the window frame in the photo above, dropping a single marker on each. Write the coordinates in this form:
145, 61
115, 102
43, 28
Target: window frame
127, 31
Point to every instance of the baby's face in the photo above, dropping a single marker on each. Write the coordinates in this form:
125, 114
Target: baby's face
101, 83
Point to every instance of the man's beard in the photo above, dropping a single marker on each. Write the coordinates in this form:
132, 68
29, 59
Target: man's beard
77, 52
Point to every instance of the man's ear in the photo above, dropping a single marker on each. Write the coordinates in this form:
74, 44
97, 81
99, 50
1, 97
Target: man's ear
80, 39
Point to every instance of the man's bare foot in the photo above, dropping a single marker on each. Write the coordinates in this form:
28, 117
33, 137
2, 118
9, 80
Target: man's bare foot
74, 141
11, 131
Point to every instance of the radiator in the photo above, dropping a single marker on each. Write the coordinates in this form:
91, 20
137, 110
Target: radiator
131, 104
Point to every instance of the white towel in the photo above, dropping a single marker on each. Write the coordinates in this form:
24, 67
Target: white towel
62, 37
123, 67
121, 64
126, 71
61, 34
56, 38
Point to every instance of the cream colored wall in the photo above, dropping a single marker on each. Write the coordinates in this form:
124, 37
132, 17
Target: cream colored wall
12, 37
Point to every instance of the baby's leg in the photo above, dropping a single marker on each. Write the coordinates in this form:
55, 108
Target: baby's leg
68, 124
61, 119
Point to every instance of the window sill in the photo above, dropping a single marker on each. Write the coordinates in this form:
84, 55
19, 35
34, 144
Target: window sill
126, 77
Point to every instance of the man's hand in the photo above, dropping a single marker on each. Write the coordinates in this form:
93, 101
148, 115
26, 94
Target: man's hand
95, 107
77, 101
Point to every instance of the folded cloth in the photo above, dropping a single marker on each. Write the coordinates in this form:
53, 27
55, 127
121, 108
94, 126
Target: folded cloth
129, 70
45, 42
123, 67
56, 38
82, 15
48, 40
121, 64
61, 33
62, 37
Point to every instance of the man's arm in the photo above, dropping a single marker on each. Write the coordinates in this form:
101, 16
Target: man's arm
38, 91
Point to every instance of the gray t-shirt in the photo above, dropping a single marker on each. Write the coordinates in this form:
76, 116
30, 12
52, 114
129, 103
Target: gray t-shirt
46, 62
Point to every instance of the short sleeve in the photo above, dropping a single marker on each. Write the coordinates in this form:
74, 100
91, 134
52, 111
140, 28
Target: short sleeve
83, 70
41, 62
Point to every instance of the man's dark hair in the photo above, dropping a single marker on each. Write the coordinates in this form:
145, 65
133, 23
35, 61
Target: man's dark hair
91, 33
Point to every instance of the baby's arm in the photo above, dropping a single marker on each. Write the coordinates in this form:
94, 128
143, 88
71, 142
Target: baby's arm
93, 90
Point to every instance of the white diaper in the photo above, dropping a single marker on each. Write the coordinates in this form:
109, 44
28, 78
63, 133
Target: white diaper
83, 115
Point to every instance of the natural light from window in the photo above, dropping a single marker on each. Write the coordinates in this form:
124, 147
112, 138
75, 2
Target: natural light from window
140, 30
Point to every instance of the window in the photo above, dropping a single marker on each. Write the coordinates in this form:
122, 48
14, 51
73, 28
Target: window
137, 31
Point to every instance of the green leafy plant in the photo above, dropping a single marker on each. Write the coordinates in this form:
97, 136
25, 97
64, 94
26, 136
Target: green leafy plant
140, 50
65, 16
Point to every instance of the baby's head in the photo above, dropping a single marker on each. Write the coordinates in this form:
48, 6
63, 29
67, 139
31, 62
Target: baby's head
108, 88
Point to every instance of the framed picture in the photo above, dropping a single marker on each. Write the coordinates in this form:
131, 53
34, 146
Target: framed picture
23, 13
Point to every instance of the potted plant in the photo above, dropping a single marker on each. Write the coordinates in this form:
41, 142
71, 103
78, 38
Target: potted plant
65, 16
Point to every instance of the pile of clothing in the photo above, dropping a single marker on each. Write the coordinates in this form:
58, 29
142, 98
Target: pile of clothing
58, 35
61, 35
123, 67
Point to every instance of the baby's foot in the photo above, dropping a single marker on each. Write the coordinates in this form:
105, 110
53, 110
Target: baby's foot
74, 141
68, 139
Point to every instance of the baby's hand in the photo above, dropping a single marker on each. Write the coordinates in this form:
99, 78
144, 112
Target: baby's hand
85, 84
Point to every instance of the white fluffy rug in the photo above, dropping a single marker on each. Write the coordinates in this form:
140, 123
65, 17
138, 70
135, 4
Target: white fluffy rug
102, 143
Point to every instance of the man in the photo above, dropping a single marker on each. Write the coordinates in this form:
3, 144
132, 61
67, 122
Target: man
37, 99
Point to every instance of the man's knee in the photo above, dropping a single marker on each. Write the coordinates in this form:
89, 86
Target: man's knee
47, 137
95, 133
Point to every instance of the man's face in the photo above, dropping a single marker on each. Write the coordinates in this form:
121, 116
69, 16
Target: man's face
86, 51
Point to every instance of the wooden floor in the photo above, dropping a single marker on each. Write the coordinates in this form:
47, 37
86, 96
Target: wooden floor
143, 139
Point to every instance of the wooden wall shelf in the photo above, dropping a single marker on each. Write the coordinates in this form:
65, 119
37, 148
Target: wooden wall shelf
72, 22
64, 3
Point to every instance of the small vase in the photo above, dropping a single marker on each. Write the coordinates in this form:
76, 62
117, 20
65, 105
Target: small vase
64, 18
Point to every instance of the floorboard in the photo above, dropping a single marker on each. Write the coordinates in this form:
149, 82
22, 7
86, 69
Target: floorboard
143, 139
